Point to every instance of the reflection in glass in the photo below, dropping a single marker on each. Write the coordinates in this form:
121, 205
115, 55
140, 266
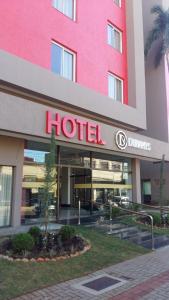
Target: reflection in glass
32, 187
75, 157
111, 177
5, 195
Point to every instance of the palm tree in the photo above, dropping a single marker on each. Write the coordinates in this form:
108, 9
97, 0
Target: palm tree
159, 33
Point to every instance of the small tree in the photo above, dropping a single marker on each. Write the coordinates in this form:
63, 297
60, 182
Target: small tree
160, 33
49, 181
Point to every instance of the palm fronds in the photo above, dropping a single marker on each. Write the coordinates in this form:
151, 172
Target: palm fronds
160, 33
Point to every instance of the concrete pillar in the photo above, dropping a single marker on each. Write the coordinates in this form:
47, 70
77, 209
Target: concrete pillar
17, 195
12, 154
136, 181
65, 188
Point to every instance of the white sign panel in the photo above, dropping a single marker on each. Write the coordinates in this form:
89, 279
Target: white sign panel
122, 142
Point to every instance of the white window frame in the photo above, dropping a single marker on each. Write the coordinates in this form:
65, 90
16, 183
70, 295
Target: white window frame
62, 12
119, 5
122, 87
120, 32
74, 60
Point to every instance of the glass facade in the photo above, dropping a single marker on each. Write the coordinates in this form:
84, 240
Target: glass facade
33, 184
92, 178
6, 179
111, 177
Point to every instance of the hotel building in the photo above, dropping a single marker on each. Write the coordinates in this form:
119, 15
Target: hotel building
76, 66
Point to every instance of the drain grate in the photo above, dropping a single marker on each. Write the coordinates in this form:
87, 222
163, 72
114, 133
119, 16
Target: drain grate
100, 284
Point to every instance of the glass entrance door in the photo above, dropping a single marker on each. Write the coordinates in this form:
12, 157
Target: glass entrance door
81, 187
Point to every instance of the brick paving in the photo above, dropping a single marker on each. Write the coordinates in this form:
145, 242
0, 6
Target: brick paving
147, 279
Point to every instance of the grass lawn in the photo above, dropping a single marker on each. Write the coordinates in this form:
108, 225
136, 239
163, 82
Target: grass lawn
17, 278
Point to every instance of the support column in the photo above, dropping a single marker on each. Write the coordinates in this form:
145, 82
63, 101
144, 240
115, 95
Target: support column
136, 181
17, 195
65, 189
58, 184
91, 179
12, 154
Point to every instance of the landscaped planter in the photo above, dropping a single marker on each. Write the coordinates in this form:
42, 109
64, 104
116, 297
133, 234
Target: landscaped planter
46, 259
36, 246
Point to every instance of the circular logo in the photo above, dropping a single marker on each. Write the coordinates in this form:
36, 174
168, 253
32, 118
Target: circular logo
121, 140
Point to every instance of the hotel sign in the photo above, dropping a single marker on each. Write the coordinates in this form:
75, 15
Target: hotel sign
122, 142
87, 131
72, 127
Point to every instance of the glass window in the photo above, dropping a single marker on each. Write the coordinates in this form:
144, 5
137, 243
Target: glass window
62, 61
147, 187
33, 182
65, 6
118, 2
6, 177
115, 88
74, 157
111, 175
114, 37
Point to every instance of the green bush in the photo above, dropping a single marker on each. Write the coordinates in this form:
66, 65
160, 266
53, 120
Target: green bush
115, 211
67, 232
156, 219
135, 206
35, 232
22, 242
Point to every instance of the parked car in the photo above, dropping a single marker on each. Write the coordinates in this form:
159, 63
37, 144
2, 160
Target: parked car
121, 201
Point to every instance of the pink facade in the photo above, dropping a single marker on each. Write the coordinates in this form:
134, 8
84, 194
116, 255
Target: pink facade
27, 28
167, 88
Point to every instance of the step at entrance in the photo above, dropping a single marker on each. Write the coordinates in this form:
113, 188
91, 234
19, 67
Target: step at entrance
134, 234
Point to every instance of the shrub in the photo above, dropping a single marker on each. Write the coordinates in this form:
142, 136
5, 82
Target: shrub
49, 242
78, 243
5, 245
156, 219
22, 242
115, 212
34, 232
167, 219
67, 232
134, 206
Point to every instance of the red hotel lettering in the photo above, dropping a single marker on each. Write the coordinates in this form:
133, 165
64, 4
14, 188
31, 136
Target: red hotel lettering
70, 134
50, 123
81, 125
98, 135
91, 133
71, 127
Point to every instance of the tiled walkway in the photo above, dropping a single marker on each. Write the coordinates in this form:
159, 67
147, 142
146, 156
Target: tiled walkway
147, 279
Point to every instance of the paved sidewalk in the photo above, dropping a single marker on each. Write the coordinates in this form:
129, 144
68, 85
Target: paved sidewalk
147, 278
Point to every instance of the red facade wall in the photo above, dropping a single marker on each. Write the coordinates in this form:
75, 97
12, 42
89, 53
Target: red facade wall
27, 28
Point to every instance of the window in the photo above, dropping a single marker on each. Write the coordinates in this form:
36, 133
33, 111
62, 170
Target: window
63, 61
6, 179
67, 7
118, 2
115, 88
35, 156
114, 38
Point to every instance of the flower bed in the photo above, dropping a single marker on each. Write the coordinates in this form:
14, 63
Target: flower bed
35, 246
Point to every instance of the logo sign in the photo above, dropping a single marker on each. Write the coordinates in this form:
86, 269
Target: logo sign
121, 140
139, 144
